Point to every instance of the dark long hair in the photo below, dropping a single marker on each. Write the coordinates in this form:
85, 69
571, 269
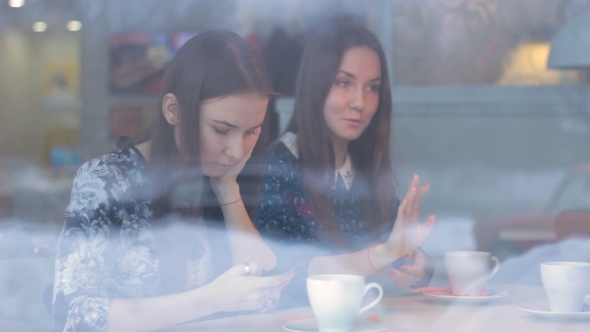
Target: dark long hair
212, 64
370, 152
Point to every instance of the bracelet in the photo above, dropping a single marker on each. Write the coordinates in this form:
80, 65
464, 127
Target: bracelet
222, 204
369, 258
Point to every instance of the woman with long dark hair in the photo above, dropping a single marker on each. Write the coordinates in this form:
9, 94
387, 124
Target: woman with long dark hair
118, 266
329, 188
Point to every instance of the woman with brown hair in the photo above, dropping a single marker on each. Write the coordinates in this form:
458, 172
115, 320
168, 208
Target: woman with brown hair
329, 190
118, 266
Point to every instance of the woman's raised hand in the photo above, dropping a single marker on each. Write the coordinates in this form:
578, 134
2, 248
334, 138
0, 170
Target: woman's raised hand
242, 288
408, 232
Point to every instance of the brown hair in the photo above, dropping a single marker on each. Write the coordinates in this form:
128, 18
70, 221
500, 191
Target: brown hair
370, 152
212, 64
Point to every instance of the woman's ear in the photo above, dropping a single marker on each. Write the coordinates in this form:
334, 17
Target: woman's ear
170, 108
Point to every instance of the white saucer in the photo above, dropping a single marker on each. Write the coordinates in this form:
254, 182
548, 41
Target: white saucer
361, 325
542, 309
446, 295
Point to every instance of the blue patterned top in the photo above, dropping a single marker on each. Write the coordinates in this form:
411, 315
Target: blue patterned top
286, 215
108, 246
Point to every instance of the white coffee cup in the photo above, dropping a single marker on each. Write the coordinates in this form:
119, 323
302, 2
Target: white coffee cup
567, 285
468, 271
336, 300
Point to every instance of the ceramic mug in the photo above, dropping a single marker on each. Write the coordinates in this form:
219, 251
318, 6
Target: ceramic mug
567, 285
336, 300
468, 271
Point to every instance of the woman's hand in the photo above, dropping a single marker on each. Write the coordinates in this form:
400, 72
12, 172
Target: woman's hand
407, 275
225, 187
239, 291
408, 233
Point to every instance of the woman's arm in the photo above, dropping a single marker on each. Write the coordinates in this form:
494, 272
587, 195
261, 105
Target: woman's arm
231, 291
80, 302
407, 234
147, 314
245, 241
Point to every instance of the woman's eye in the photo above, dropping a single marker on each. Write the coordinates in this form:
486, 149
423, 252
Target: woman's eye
252, 132
374, 88
342, 83
220, 131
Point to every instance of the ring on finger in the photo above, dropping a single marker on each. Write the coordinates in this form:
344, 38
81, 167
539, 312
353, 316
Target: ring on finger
247, 269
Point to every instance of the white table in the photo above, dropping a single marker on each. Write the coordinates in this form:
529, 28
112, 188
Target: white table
416, 312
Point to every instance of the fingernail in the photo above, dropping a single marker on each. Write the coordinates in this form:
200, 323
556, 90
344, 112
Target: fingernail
391, 272
373, 317
406, 256
403, 268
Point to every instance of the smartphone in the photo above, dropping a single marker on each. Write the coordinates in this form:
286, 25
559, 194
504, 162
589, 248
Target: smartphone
397, 264
279, 269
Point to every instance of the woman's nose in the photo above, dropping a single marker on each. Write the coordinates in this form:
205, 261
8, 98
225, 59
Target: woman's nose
235, 148
357, 99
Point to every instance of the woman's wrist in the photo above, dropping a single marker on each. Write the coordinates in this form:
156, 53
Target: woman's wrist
208, 294
226, 192
381, 255
391, 250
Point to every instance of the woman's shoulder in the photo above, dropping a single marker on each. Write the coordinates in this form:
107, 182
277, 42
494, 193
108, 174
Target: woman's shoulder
284, 150
127, 158
281, 161
106, 178
113, 165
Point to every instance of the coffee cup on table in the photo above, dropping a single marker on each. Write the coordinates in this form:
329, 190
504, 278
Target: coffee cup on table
336, 300
468, 271
567, 285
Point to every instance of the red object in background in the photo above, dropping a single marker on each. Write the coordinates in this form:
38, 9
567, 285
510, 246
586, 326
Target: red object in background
255, 43
292, 319
138, 60
493, 48
572, 223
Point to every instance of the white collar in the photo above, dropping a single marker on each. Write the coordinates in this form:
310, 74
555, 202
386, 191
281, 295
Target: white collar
346, 171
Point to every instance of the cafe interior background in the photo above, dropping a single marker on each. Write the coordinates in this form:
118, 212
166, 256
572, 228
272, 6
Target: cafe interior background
491, 106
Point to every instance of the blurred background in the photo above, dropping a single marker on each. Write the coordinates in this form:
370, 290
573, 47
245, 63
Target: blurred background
491, 106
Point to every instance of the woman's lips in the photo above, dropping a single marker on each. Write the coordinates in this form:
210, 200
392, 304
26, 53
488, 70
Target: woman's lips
353, 122
223, 167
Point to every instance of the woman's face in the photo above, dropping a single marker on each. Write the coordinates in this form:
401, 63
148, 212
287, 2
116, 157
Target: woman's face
230, 126
354, 96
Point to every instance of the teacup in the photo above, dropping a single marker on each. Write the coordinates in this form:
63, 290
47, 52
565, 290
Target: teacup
567, 285
336, 300
468, 271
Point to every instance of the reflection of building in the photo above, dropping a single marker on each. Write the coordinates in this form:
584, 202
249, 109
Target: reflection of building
472, 42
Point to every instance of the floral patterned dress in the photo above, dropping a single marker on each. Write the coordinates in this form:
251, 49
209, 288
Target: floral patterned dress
107, 247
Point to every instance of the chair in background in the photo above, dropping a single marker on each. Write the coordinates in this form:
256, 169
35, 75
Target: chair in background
572, 223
